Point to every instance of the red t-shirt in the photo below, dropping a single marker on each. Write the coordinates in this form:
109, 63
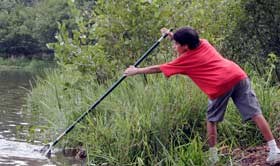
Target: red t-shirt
212, 73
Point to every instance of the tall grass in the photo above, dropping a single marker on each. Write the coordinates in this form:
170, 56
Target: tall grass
153, 121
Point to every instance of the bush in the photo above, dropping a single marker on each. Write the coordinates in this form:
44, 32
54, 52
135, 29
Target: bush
256, 35
108, 38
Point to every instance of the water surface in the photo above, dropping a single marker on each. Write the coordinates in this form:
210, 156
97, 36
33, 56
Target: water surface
15, 149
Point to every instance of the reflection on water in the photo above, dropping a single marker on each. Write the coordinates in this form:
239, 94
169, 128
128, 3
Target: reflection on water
13, 88
14, 151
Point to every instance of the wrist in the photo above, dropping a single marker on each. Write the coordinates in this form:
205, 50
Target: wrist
170, 35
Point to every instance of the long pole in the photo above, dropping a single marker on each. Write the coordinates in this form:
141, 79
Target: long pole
47, 149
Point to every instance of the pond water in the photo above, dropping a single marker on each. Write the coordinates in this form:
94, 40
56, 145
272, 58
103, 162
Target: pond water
14, 123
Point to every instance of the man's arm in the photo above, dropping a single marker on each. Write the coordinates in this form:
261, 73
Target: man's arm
132, 70
145, 70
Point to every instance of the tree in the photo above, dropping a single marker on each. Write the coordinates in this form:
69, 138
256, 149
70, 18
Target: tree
27, 26
257, 34
116, 33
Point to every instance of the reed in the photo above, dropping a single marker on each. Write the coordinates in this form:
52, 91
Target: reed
152, 121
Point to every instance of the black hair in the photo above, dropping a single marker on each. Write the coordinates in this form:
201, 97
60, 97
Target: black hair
187, 36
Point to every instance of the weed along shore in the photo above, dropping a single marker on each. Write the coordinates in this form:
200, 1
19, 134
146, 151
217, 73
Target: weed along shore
144, 116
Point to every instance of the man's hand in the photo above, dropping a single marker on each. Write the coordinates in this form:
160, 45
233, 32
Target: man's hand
168, 32
130, 71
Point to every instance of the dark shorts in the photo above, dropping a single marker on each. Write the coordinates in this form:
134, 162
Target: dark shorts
243, 97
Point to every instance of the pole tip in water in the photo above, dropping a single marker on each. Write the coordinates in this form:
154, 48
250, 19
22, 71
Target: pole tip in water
46, 150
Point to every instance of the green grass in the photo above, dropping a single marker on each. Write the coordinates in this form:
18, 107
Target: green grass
157, 121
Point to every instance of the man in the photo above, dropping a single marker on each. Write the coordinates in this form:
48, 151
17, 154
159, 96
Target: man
219, 78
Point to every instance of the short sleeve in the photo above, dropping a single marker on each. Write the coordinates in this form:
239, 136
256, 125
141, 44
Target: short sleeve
172, 68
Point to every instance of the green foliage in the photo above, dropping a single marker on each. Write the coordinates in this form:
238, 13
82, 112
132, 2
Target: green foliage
107, 37
48, 13
90, 47
7, 5
190, 153
158, 116
126, 32
76, 50
152, 122
256, 35
271, 69
26, 27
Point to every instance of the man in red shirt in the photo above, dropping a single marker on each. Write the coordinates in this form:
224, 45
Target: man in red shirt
219, 78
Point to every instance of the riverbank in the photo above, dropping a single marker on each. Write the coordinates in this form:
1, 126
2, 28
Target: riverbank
153, 120
30, 65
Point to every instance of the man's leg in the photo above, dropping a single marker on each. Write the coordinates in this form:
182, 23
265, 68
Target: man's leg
215, 113
212, 133
212, 141
248, 105
263, 127
274, 152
